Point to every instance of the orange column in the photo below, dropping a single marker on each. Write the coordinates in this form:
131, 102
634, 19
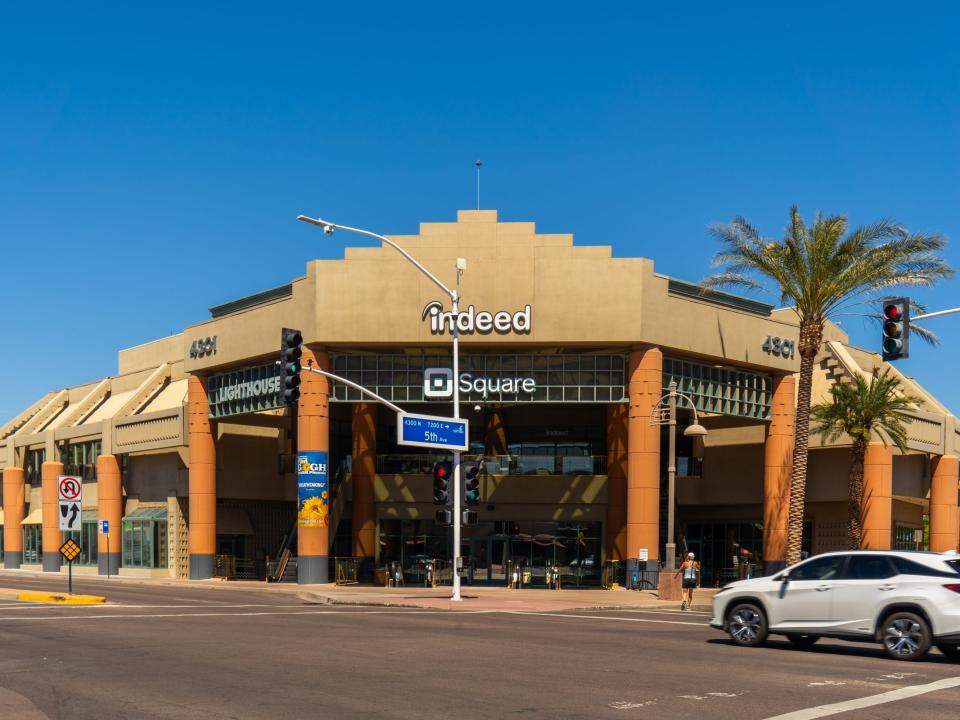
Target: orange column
13, 509
616, 535
944, 512
877, 511
364, 472
777, 454
109, 508
645, 381
495, 436
202, 479
313, 434
52, 537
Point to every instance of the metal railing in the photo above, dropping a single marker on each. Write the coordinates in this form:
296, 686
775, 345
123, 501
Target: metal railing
346, 570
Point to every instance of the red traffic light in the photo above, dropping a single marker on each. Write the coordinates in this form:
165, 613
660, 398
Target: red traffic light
441, 471
892, 312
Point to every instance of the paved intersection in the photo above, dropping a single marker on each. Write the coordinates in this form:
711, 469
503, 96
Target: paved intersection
212, 652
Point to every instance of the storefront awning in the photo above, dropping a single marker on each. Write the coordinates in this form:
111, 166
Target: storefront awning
34, 518
147, 513
233, 521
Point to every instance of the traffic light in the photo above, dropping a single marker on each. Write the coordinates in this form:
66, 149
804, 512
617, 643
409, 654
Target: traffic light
290, 352
469, 517
471, 482
896, 329
442, 475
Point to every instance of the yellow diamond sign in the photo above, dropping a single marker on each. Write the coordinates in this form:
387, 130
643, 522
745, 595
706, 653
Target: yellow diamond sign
70, 550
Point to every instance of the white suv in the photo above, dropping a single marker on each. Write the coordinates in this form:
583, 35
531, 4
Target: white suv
904, 600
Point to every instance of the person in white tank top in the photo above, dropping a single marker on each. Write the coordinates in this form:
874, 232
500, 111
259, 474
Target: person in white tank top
690, 570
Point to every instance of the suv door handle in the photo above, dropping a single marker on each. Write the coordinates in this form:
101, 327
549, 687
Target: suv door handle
887, 587
821, 588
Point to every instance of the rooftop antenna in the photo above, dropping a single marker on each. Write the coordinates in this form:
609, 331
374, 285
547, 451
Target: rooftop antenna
478, 164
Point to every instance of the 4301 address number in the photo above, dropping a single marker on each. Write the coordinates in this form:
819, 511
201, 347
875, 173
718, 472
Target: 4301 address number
778, 346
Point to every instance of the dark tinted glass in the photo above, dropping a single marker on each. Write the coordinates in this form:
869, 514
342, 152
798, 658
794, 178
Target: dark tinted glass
955, 564
824, 568
869, 567
909, 567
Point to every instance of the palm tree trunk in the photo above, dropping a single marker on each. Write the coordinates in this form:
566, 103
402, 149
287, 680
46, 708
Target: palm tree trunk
811, 333
855, 495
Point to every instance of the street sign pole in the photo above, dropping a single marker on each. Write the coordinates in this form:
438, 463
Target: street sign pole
456, 454
70, 577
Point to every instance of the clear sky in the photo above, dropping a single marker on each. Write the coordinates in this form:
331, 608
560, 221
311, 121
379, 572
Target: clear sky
153, 158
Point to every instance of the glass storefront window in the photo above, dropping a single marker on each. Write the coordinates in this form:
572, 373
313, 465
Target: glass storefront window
80, 459
86, 538
32, 543
35, 458
144, 538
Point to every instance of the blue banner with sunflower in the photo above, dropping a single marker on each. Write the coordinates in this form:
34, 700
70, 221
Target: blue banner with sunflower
313, 490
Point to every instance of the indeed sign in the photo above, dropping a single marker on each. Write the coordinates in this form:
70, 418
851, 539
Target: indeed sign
471, 321
438, 383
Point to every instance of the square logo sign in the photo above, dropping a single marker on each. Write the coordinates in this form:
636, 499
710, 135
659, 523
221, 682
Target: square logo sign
438, 383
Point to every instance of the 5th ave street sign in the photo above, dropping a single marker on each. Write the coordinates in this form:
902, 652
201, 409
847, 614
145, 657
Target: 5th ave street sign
430, 431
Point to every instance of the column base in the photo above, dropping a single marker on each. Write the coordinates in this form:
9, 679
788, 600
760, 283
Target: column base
52, 561
12, 560
201, 567
313, 569
365, 571
669, 586
102, 559
772, 567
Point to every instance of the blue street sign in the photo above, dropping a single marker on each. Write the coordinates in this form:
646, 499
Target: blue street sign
105, 527
431, 431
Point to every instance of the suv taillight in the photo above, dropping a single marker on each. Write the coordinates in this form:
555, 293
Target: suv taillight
953, 586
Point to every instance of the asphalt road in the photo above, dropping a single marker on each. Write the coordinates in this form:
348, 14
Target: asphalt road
208, 652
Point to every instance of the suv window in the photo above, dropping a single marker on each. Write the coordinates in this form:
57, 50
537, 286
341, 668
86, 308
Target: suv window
823, 568
909, 567
869, 567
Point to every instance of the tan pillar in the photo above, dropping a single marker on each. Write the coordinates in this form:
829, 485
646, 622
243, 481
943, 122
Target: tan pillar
616, 534
877, 497
13, 512
495, 436
777, 454
202, 480
109, 508
645, 381
313, 434
52, 537
944, 512
364, 452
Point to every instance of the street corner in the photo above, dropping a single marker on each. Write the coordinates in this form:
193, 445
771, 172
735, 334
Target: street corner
60, 598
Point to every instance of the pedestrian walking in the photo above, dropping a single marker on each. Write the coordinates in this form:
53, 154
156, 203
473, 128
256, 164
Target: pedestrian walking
690, 570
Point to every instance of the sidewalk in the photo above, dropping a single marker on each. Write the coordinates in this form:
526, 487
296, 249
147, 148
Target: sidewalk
474, 598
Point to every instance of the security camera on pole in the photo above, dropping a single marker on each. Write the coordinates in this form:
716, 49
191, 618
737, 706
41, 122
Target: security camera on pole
328, 228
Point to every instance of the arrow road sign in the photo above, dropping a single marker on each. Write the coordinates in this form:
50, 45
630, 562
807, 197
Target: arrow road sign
69, 487
69, 515
431, 431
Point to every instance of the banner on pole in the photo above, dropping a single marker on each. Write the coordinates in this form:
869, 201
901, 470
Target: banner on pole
313, 490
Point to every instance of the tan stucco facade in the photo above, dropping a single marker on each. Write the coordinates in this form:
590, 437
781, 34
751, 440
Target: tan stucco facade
236, 473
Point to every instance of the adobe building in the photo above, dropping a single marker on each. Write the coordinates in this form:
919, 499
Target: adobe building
565, 353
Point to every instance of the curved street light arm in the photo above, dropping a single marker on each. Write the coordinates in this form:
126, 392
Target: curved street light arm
327, 224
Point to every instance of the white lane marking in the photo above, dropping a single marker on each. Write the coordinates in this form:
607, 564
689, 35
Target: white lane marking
605, 617
627, 705
859, 703
825, 683
660, 612
713, 695
397, 611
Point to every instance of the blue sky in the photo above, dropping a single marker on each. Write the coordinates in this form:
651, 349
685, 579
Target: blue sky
162, 153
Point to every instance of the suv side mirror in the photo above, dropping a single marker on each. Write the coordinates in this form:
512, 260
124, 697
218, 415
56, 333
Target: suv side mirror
784, 576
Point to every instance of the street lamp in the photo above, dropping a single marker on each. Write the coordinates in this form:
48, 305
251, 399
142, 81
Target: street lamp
666, 414
328, 228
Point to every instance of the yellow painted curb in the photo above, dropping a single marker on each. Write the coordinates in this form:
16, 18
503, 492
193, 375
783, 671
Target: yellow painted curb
59, 599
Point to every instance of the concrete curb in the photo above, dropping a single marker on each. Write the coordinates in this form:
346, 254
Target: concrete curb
61, 599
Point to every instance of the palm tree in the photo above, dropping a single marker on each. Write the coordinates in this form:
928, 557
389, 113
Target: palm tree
863, 410
822, 271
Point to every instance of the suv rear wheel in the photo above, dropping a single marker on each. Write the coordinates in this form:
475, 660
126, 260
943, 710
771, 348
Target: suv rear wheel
747, 625
905, 636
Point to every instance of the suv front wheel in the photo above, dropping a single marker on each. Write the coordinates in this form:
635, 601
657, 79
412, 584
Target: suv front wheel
905, 636
747, 625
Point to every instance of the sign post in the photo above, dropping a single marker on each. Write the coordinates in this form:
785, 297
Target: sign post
105, 530
70, 551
